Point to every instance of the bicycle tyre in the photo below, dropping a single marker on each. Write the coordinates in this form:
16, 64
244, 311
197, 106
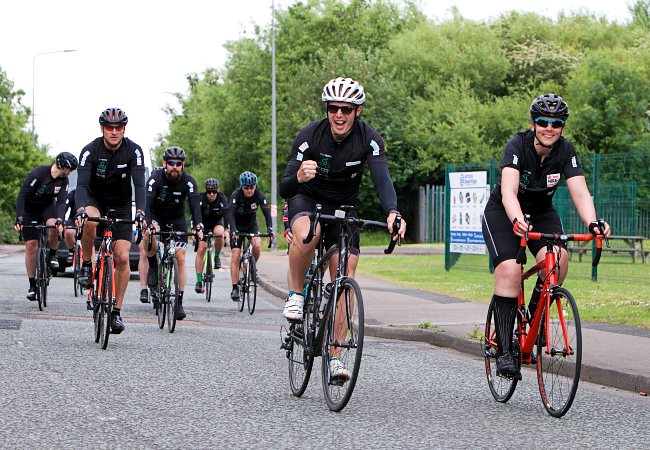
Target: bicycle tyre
207, 276
172, 295
242, 283
94, 297
252, 286
501, 387
76, 267
161, 310
39, 281
338, 391
300, 353
106, 304
45, 281
558, 372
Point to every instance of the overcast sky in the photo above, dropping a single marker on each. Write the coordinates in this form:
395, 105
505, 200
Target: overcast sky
133, 54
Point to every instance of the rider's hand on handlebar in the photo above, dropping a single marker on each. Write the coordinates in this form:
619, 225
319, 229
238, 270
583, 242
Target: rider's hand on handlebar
80, 217
199, 231
140, 218
599, 226
402, 228
18, 224
519, 227
307, 171
59, 225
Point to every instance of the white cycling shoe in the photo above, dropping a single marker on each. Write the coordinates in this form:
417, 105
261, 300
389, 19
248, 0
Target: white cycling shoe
338, 370
293, 308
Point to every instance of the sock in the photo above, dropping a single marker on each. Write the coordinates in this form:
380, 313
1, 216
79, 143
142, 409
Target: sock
52, 252
88, 263
153, 261
116, 311
291, 293
216, 254
505, 312
199, 278
234, 286
534, 297
32, 282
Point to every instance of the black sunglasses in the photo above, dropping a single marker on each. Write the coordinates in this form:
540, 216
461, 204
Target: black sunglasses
555, 123
347, 110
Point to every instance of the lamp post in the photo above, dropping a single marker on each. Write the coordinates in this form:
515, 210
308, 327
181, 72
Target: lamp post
274, 177
33, 92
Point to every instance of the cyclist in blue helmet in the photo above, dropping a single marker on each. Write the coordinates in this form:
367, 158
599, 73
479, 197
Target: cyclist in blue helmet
244, 204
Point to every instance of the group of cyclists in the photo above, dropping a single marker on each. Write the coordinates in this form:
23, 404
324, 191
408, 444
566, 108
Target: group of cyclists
325, 167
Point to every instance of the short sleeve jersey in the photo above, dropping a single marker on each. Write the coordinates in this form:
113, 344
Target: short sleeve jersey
212, 212
340, 164
40, 190
110, 171
165, 199
538, 181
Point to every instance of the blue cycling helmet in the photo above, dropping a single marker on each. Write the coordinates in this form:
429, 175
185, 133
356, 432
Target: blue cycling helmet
247, 179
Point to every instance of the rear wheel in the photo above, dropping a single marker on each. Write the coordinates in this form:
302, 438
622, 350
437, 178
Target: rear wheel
501, 387
171, 284
161, 309
343, 339
44, 279
39, 281
301, 346
558, 366
76, 267
252, 286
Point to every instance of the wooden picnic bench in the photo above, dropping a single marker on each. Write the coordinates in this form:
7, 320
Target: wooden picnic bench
632, 245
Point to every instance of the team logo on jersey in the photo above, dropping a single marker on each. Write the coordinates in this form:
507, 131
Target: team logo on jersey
523, 180
515, 160
324, 165
552, 179
375, 148
162, 195
574, 161
57, 189
40, 191
190, 187
253, 206
102, 165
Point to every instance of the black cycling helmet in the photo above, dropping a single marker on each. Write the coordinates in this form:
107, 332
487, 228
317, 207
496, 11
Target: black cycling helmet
211, 184
66, 160
113, 116
549, 105
174, 153
247, 179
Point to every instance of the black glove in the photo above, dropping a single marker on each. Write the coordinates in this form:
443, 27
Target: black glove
19, 220
269, 230
600, 224
139, 216
80, 213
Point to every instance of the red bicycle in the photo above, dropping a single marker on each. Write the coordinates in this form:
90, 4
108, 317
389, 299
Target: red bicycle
554, 329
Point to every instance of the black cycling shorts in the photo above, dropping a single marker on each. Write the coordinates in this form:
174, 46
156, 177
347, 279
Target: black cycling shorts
178, 224
501, 241
122, 231
209, 227
302, 205
31, 234
236, 243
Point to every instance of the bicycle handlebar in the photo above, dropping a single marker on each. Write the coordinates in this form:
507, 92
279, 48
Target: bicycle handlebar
171, 233
557, 237
111, 221
341, 216
252, 235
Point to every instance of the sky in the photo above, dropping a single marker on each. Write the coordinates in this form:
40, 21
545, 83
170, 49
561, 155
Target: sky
136, 54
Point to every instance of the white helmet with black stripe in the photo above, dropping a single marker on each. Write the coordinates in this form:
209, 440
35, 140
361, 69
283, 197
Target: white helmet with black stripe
344, 90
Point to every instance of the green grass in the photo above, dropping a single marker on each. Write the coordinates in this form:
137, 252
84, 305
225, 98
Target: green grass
621, 295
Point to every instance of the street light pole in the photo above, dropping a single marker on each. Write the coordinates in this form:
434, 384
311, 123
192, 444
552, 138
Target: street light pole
33, 91
274, 176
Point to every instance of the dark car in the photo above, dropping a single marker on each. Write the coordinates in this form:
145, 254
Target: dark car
64, 262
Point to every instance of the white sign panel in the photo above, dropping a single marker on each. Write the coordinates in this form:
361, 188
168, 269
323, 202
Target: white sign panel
469, 195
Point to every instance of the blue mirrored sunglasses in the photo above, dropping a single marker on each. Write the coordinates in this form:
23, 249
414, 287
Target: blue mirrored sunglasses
555, 123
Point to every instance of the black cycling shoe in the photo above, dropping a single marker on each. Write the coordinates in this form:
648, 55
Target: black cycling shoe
507, 365
85, 276
89, 305
152, 277
234, 294
154, 298
217, 263
31, 294
54, 262
180, 312
117, 326
198, 288
144, 295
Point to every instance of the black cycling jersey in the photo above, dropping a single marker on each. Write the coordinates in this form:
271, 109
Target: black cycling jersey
340, 165
243, 211
213, 212
40, 190
166, 199
538, 180
70, 209
105, 175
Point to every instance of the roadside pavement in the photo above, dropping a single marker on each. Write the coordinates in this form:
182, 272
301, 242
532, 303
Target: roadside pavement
613, 355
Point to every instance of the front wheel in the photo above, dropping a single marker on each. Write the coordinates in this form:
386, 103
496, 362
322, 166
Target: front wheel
558, 364
171, 288
106, 302
243, 283
501, 387
252, 286
76, 267
207, 276
343, 340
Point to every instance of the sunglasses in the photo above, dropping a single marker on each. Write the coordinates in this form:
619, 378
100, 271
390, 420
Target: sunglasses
117, 128
248, 187
211, 192
175, 163
555, 123
347, 110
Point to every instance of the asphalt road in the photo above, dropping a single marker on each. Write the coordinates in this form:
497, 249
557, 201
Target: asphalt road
221, 381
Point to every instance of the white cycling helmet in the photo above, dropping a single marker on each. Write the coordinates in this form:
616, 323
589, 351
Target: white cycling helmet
344, 90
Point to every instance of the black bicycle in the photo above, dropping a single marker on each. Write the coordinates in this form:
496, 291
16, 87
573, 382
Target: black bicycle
247, 280
208, 264
331, 329
102, 290
76, 264
167, 289
43, 271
